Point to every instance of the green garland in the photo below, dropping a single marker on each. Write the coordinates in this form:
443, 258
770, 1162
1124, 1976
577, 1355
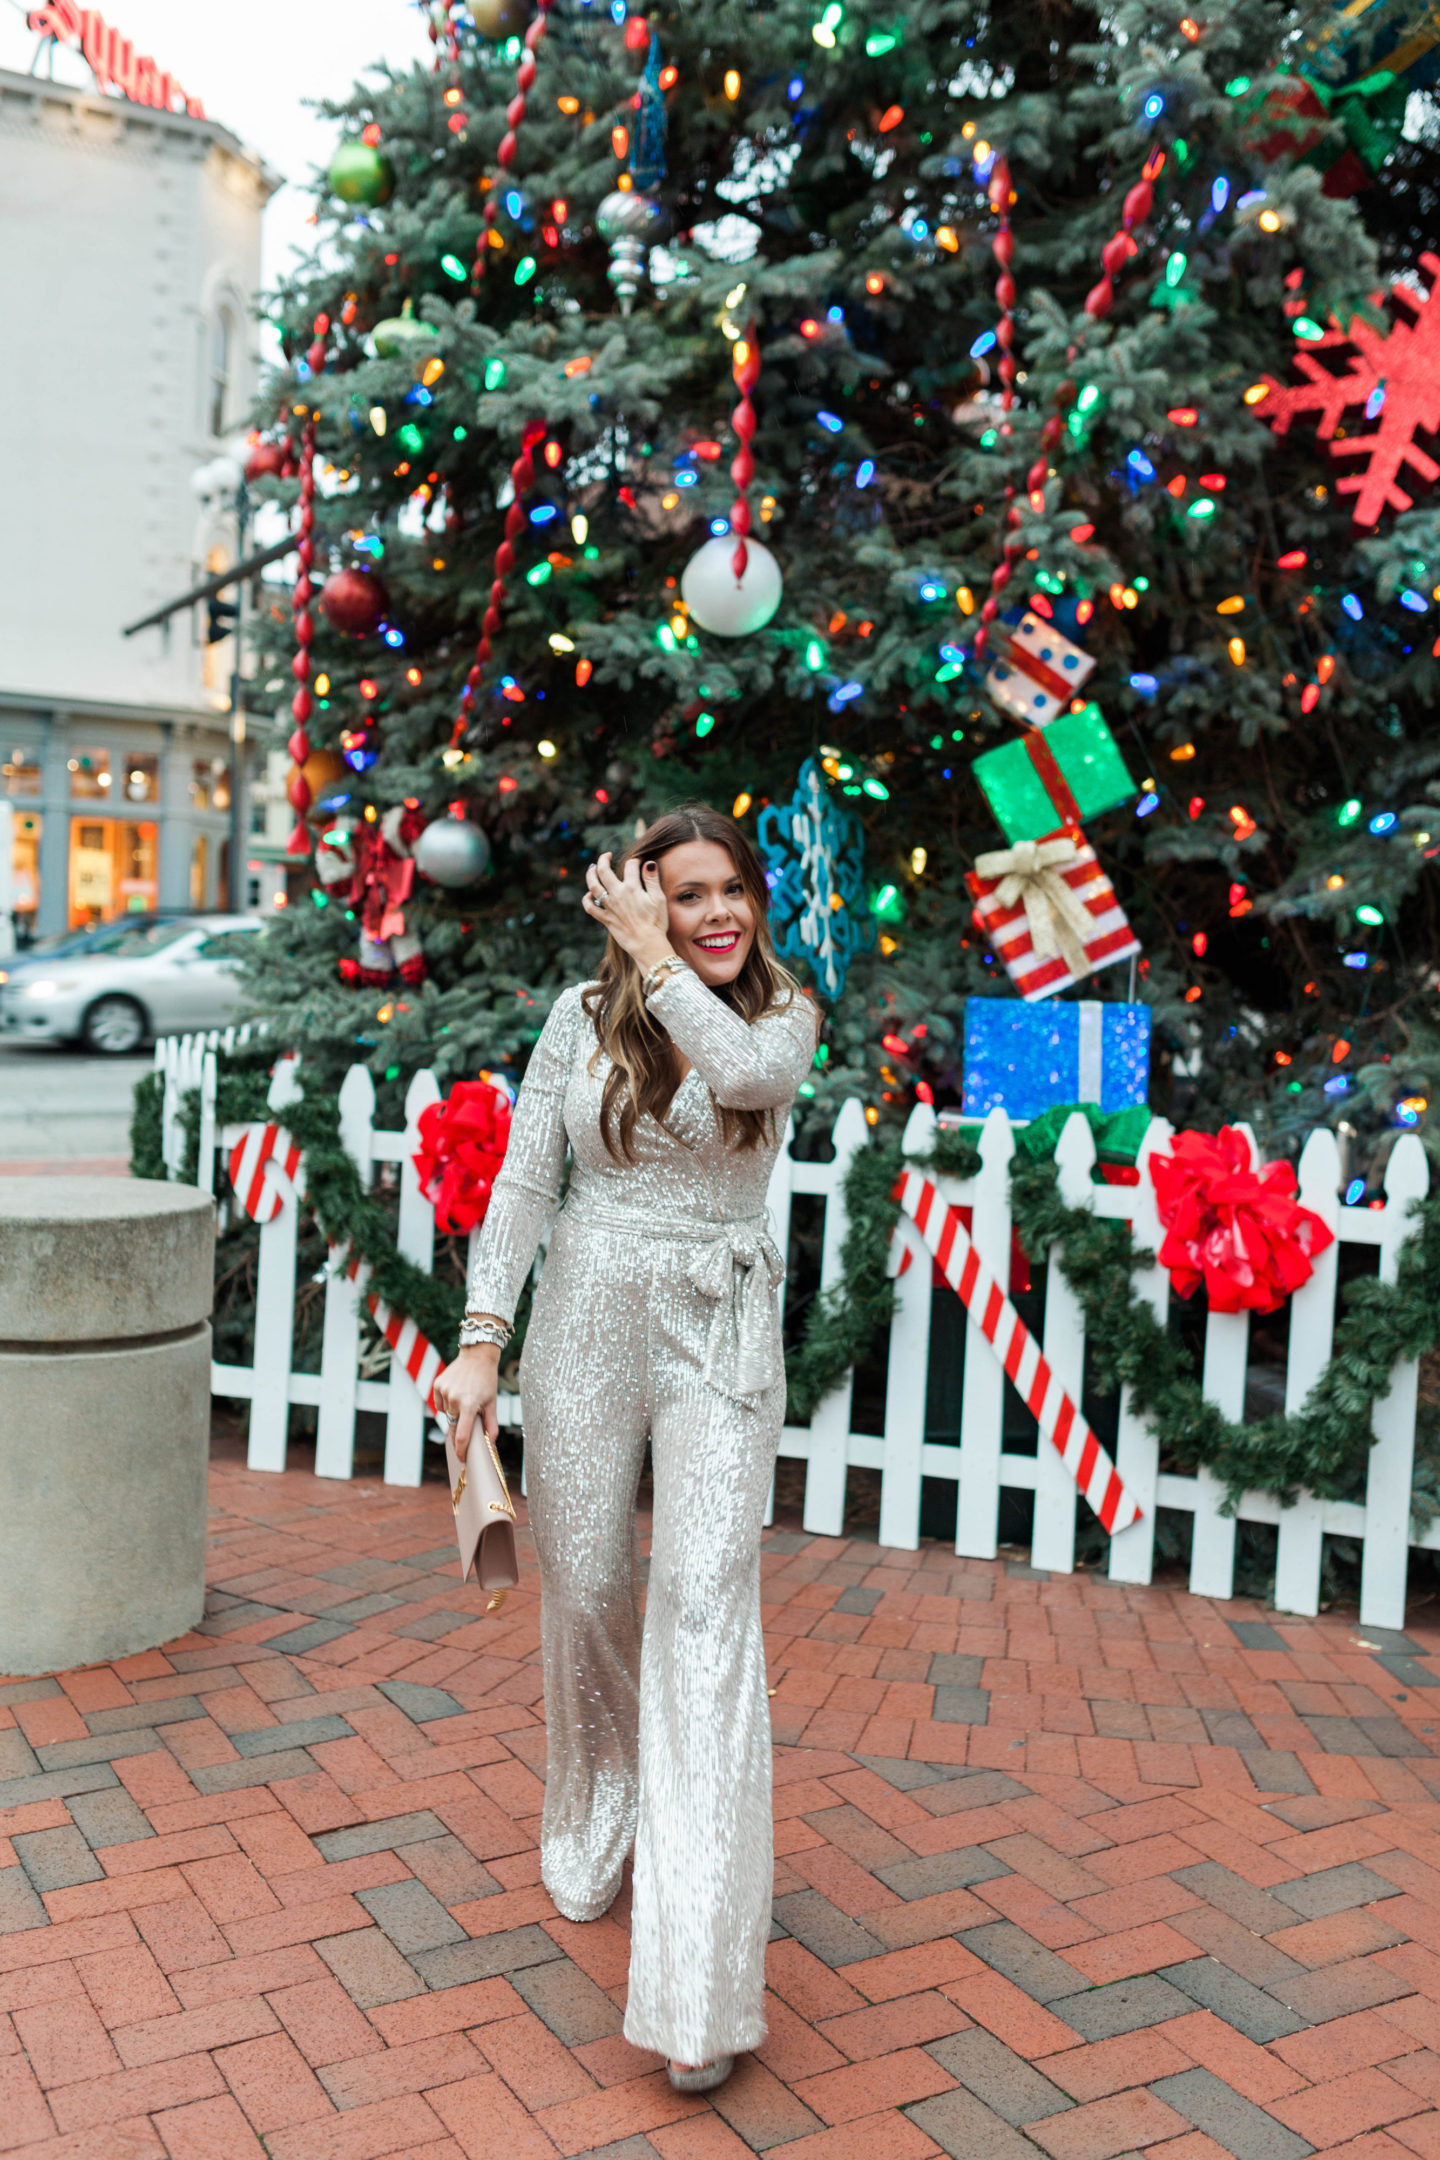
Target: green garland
1323, 1447
346, 1213
147, 1127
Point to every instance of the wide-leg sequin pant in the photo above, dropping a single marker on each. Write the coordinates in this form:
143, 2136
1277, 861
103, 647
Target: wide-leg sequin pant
669, 1747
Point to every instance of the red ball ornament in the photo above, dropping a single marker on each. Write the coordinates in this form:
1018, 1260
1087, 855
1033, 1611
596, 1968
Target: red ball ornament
353, 602
265, 462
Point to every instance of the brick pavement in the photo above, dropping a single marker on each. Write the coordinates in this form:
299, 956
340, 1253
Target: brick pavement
1062, 1869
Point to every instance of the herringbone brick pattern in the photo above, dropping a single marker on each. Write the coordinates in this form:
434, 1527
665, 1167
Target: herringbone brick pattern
1062, 1869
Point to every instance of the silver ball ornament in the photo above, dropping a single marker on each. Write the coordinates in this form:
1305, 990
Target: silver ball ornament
721, 602
452, 851
632, 223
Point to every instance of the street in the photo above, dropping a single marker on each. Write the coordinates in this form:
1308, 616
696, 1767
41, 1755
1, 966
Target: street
59, 1107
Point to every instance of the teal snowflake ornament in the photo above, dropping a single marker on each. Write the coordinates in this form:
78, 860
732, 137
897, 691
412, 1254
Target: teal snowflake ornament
814, 854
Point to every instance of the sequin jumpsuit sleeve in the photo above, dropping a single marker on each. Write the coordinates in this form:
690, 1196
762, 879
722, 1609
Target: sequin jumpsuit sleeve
528, 1185
747, 1065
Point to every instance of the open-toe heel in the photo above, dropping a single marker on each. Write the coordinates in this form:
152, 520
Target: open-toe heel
704, 2077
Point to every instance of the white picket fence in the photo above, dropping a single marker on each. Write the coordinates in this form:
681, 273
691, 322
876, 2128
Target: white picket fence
901, 1452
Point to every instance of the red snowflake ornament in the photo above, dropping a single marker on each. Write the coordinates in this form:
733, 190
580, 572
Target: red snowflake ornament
1402, 370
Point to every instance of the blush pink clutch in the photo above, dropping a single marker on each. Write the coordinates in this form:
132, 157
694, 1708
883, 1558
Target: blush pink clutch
484, 1516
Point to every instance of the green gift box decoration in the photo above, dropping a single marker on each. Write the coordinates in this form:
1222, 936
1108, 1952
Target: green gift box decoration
1054, 776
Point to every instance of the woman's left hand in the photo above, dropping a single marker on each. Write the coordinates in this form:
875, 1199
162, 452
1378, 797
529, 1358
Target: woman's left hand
633, 908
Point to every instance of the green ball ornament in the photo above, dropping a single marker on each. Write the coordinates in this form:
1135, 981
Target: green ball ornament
362, 175
496, 19
401, 337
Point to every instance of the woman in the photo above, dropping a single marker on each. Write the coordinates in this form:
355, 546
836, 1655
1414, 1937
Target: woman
668, 1079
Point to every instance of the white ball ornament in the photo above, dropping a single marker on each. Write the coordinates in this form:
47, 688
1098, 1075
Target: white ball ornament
452, 851
721, 602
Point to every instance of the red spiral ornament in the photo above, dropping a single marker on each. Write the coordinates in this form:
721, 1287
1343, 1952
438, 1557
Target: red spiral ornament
1002, 247
300, 704
1122, 245
1115, 254
452, 53
522, 479
745, 367
514, 114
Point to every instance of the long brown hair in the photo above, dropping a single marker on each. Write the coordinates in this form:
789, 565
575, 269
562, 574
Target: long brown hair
645, 1066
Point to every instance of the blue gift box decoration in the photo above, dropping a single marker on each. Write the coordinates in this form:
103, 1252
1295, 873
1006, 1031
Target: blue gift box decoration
1026, 1058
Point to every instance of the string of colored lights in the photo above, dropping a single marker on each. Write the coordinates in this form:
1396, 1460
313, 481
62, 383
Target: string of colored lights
514, 114
301, 707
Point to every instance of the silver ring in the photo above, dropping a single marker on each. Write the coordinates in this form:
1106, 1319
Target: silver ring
599, 899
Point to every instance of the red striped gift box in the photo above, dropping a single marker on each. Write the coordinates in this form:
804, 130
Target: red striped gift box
1008, 928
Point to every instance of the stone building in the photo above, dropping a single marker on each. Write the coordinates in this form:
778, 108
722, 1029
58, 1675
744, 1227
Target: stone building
132, 250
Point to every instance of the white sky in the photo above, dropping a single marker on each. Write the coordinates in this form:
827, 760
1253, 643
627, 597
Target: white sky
252, 63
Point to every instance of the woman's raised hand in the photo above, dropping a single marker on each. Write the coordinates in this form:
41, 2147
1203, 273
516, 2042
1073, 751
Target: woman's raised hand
633, 908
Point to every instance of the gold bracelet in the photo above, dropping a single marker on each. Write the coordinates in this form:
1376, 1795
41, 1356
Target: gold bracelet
671, 965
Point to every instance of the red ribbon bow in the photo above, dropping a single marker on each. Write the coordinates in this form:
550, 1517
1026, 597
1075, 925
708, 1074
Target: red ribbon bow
462, 1145
1242, 1232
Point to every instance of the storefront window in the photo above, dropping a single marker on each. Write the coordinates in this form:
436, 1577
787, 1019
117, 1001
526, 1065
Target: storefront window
142, 779
112, 869
25, 875
138, 889
200, 873
90, 776
20, 772
92, 874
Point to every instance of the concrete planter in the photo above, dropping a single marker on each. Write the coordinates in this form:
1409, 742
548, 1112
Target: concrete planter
106, 1287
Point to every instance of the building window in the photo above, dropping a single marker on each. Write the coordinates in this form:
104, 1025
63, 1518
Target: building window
20, 772
210, 784
199, 872
142, 779
90, 776
222, 361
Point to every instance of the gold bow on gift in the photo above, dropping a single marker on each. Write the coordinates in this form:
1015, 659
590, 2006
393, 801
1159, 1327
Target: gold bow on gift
1032, 873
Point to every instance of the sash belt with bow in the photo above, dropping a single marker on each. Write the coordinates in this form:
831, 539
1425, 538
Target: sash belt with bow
1032, 873
734, 1262
740, 1268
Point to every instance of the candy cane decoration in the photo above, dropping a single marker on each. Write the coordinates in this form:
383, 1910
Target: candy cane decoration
264, 1166
265, 1170
1057, 1416
412, 1351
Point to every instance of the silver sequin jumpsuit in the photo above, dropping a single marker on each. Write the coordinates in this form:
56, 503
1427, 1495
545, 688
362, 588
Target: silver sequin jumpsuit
655, 1317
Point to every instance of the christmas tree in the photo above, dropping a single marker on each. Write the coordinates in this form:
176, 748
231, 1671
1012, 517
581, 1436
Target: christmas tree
1017, 304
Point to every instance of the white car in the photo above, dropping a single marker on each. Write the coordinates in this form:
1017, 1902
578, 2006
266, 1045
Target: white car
165, 978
